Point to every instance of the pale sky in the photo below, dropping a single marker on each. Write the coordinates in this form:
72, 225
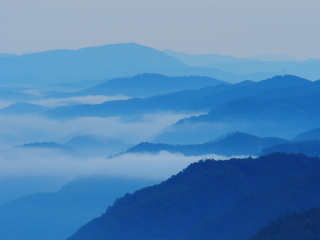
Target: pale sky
231, 27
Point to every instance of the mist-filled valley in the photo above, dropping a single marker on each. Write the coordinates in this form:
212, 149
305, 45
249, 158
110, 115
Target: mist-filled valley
124, 141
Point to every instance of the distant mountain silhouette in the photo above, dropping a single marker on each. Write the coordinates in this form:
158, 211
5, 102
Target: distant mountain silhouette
4, 55
310, 148
144, 85
201, 100
92, 145
236, 143
280, 111
14, 95
23, 108
308, 135
299, 226
108, 61
263, 64
212, 200
201, 60
274, 58
51, 145
55, 216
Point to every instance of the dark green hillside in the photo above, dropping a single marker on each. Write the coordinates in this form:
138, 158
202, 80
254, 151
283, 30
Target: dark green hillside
297, 226
205, 190
236, 143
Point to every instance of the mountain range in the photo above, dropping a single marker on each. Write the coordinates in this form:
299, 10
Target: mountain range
95, 63
84, 146
21, 108
212, 200
144, 85
204, 99
88, 63
267, 64
282, 106
233, 144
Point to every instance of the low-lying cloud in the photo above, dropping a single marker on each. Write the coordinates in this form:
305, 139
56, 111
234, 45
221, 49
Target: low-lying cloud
48, 162
17, 130
89, 99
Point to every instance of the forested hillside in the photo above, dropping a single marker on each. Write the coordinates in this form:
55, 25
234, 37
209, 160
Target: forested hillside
226, 194
298, 226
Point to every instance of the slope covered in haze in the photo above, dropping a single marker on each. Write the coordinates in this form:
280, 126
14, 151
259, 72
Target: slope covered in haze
14, 95
207, 192
309, 148
236, 143
281, 111
257, 64
112, 60
55, 216
21, 108
91, 145
308, 135
52, 145
4, 55
144, 85
202, 100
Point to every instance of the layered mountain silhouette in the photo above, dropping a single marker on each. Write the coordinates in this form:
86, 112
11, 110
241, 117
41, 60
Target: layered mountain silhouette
110, 61
263, 64
55, 216
15, 95
279, 111
212, 200
236, 143
84, 146
282, 106
21, 108
52, 145
308, 135
92, 145
147, 85
200, 100
309, 148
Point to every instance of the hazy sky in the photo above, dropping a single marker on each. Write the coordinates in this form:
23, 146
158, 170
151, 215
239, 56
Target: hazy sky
232, 27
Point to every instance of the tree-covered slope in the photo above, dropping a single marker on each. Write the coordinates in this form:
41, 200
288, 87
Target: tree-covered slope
255, 210
296, 226
204, 191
